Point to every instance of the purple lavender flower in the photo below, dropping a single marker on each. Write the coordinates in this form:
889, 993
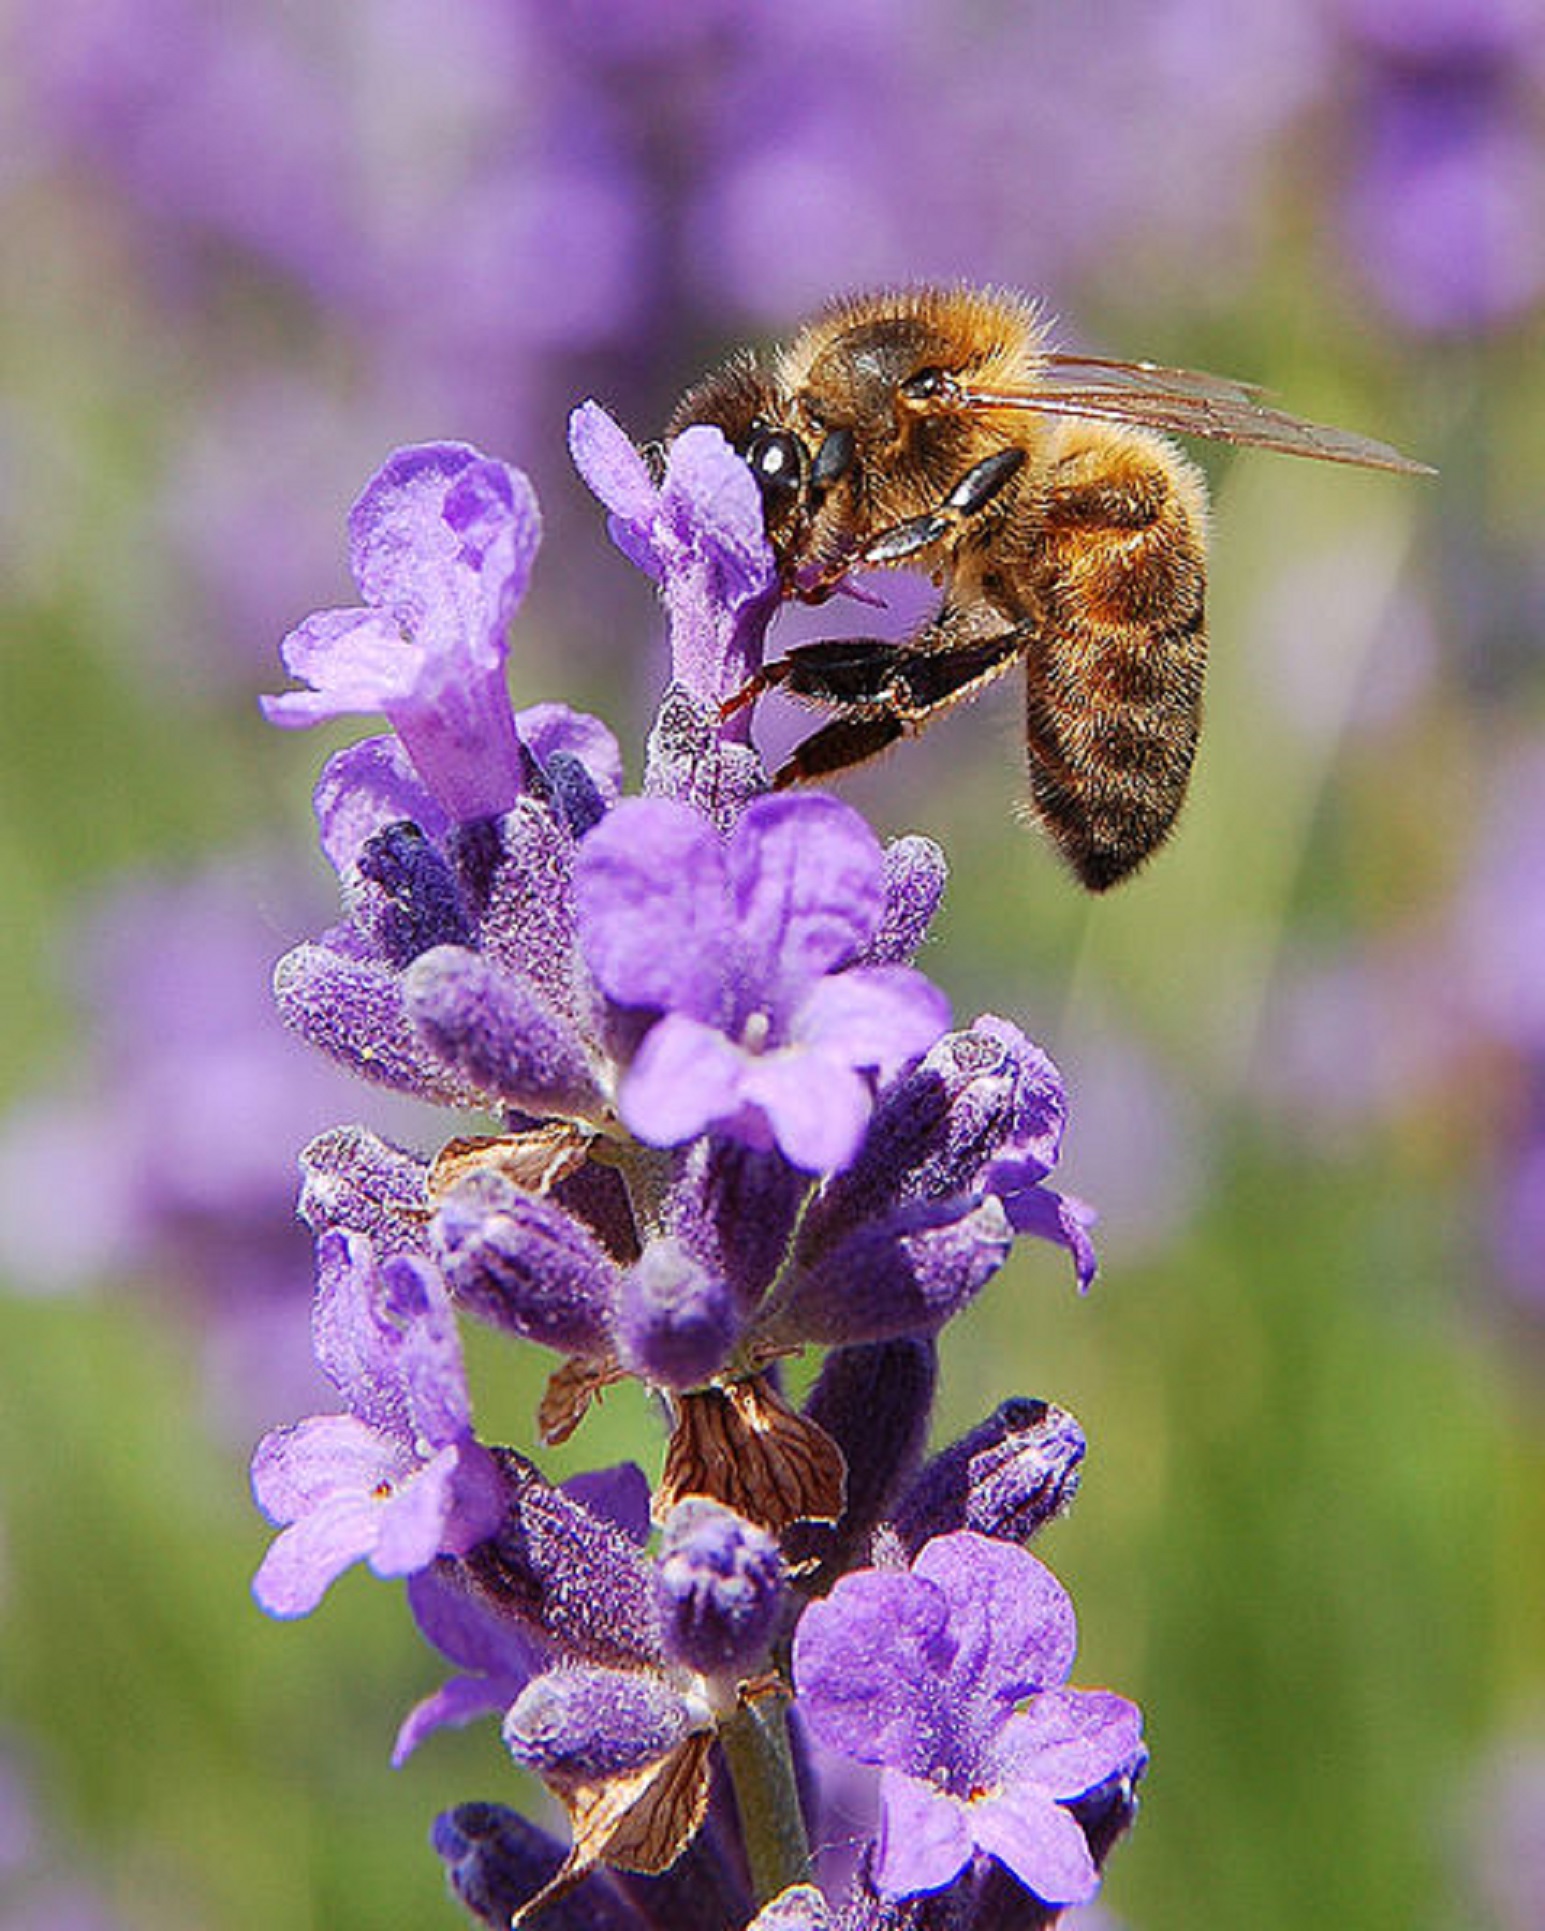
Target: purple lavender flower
399, 1479
746, 947
442, 542
497, 1657
731, 1127
699, 534
924, 1673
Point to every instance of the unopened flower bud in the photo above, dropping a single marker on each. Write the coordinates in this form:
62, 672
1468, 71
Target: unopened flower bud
905, 1274
1007, 1478
718, 1586
495, 1030
521, 1263
973, 1096
351, 1008
581, 1725
564, 1573
494, 1859
352, 1178
676, 1323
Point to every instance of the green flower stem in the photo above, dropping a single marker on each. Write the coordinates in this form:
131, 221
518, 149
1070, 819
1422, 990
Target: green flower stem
755, 1737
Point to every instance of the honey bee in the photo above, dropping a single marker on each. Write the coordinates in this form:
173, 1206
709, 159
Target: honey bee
935, 429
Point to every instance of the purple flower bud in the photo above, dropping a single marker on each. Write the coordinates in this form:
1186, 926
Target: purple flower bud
1007, 1478
351, 1178
496, 1861
583, 1725
571, 1576
352, 1009
733, 1208
495, 1031
718, 1586
407, 899
676, 1322
904, 1275
522, 1264
935, 1130
875, 1402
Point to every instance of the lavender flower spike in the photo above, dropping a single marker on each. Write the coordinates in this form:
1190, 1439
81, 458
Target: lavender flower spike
746, 947
399, 1479
950, 1676
442, 542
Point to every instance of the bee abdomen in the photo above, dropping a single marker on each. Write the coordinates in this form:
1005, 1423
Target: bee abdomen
1111, 726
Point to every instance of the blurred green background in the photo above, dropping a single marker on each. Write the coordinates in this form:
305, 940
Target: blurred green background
251, 246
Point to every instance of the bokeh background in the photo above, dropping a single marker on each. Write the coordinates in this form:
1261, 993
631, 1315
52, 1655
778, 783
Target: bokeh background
249, 246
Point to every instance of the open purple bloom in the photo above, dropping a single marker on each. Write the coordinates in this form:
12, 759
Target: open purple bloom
699, 533
951, 1678
498, 1658
442, 542
746, 946
399, 1479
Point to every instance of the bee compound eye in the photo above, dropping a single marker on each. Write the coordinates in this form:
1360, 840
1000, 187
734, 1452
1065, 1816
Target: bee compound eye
833, 459
776, 460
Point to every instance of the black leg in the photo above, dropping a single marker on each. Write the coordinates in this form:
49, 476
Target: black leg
970, 496
837, 746
880, 690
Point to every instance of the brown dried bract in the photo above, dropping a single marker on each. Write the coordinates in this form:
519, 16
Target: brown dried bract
638, 1823
745, 1446
570, 1391
535, 1160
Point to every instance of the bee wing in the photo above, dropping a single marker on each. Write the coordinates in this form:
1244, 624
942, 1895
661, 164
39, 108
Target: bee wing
1187, 402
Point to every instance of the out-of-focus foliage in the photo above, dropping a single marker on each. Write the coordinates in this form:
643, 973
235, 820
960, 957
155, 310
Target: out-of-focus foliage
248, 248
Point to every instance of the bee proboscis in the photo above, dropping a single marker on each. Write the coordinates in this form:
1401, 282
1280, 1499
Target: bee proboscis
935, 429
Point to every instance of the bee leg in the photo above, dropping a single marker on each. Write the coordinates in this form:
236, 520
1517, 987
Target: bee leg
837, 671
884, 691
970, 496
837, 746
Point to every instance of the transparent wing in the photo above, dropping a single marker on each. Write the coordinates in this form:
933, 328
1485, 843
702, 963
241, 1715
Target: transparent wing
1187, 402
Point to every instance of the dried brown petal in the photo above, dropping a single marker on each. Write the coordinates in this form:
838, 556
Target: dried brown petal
534, 1161
745, 1446
639, 1823
569, 1393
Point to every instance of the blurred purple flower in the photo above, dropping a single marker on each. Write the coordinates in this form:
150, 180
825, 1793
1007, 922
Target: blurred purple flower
1445, 214
951, 1677
770, 1031
169, 1159
399, 1478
